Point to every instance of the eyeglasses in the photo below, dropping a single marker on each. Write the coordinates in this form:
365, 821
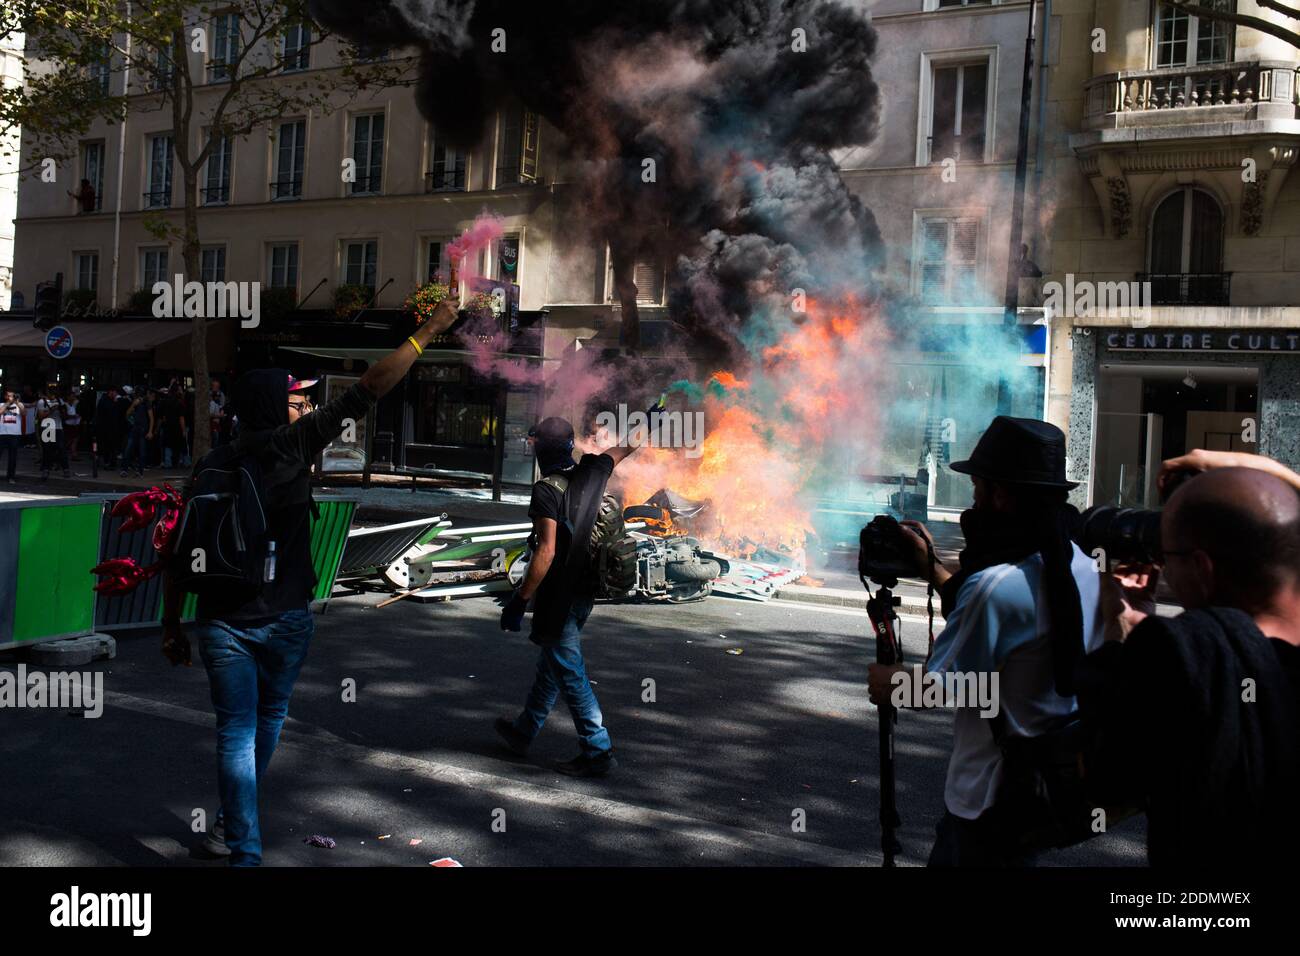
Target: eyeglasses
303, 407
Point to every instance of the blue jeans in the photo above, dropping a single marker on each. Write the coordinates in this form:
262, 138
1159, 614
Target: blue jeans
251, 672
9, 443
560, 670
135, 450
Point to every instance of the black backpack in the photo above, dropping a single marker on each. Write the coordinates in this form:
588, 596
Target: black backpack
608, 553
220, 546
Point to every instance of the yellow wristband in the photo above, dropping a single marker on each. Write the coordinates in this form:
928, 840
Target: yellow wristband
418, 351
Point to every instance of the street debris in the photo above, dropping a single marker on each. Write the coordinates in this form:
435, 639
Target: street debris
415, 841
444, 861
735, 650
321, 841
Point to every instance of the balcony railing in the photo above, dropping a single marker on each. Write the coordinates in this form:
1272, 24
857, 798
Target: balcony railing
367, 185
215, 195
286, 188
1244, 85
158, 198
440, 180
1203, 288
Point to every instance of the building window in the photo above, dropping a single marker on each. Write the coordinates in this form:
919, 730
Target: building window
446, 166
153, 268
164, 69
959, 112
517, 148
360, 261
1182, 40
295, 48
949, 261
224, 53
648, 274
87, 270
368, 152
101, 66
212, 264
436, 267
92, 170
450, 413
216, 177
282, 269
945, 4
1186, 253
158, 174
290, 155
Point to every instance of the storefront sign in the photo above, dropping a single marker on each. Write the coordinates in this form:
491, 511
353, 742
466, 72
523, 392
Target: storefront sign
1205, 340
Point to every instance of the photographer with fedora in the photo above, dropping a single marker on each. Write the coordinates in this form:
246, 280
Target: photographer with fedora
1021, 609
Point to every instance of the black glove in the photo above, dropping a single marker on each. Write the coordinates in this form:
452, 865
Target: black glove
512, 615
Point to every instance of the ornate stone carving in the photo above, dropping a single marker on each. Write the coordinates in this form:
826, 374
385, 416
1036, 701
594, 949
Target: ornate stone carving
1121, 206
1252, 204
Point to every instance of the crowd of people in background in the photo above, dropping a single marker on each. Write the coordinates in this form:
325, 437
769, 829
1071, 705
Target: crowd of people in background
128, 428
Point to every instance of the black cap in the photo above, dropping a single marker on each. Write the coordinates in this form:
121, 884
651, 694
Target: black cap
1019, 451
552, 432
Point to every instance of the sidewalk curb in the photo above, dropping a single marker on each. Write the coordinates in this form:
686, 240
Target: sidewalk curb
833, 598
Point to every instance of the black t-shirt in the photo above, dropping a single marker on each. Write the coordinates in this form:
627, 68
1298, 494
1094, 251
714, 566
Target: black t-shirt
286, 474
559, 589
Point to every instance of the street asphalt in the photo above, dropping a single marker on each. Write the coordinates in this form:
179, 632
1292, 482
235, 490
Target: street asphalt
733, 750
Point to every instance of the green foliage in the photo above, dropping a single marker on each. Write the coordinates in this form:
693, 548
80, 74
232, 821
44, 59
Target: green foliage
140, 302
348, 297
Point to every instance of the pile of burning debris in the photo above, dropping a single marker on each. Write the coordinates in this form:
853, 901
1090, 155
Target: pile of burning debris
429, 559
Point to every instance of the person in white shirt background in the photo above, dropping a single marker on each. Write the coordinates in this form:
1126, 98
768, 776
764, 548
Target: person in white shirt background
53, 451
72, 423
12, 413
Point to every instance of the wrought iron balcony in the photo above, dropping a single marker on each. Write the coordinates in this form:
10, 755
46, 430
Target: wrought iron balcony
1203, 288
1183, 94
286, 188
443, 179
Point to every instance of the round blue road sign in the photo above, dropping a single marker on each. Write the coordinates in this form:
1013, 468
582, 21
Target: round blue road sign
58, 342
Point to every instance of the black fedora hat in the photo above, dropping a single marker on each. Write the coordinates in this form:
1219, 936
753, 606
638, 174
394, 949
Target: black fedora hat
1019, 451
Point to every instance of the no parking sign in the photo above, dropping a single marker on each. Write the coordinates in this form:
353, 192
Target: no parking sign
58, 342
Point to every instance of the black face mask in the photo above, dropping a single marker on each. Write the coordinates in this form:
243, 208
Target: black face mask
551, 459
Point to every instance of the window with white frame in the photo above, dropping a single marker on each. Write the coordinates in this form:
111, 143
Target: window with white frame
100, 66
648, 275
368, 152
164, 69
87, 270
436, 266
361, 262
212, 264
92, 170
295, 48
153, 267
158, 172
290, 156
223, 47
216, 174
517, 147
958, 110
282, 265
945, 4
948, 254
1183, 40
446, 165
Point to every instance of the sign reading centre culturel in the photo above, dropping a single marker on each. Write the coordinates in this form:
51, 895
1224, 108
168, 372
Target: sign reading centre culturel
1205, 340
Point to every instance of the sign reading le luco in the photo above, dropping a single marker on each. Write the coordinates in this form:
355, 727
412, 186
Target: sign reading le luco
1203, 340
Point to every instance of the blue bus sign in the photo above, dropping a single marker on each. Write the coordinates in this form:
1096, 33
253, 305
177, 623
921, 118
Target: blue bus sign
58, 342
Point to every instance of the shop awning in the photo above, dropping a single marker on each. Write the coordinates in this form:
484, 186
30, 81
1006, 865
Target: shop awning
108, 336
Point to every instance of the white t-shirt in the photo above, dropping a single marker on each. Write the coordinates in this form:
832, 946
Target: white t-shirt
54, 410
11, 421
997, 625
73, 417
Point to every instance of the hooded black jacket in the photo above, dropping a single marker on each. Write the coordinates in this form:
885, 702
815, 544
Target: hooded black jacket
285, 453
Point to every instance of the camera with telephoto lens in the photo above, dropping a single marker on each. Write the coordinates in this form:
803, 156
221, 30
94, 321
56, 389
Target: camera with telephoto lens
884, 555
1126, 535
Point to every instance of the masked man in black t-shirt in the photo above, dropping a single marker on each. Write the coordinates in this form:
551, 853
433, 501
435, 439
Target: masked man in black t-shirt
562, 599
254, 649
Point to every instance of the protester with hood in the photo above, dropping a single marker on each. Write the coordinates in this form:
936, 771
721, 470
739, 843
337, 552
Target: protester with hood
1022, 609
1196, 715
561, 590
254, 648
